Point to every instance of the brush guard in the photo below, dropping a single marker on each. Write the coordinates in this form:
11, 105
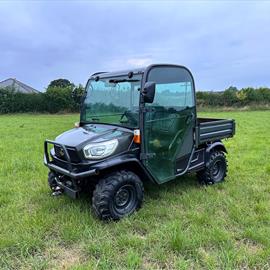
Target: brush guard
72, 189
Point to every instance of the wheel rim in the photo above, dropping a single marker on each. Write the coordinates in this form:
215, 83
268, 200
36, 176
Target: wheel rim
217, 171
125, 199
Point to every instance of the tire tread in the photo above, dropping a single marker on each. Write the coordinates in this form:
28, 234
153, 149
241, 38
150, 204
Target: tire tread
106, 187
204, 176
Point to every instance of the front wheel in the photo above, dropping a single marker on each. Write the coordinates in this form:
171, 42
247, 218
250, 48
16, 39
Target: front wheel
51, 181
216, 169
117, 195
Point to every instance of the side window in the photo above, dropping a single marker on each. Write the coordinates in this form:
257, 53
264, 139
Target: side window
174, 87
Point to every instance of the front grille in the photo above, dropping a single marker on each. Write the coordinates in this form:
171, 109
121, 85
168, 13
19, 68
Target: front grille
59, 152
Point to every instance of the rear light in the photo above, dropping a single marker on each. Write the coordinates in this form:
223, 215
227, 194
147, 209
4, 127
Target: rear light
77, 125
137, 136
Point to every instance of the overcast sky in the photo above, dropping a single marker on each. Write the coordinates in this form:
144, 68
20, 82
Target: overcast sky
223, 43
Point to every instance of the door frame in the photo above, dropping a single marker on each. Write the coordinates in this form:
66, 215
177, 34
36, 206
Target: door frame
143, 112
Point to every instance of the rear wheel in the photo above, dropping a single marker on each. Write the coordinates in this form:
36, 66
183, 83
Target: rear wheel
215, 171
117, 195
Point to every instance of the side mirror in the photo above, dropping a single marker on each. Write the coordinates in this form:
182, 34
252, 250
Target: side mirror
149, 92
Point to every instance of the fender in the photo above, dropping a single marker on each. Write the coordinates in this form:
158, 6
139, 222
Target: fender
218, 145
126, 160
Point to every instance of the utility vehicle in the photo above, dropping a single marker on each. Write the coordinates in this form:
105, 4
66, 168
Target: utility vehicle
136, 125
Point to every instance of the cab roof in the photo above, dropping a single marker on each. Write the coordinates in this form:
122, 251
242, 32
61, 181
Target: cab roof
134, 71
119, 73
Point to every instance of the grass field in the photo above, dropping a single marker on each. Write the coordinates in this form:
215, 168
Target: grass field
181, 226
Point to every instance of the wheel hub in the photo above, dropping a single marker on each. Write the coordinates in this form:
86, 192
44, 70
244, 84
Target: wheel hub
122, 197
216, 169
125, 199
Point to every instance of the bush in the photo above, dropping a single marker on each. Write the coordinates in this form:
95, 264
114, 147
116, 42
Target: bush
13, 102
55, 99
67, 99
232, 97
59, 99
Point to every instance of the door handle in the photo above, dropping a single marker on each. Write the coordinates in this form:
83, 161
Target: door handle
189, 118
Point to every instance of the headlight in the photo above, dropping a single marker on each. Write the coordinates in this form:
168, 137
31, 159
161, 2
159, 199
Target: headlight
100, 150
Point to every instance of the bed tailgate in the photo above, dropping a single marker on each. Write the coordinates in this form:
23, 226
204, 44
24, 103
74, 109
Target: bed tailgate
214, 129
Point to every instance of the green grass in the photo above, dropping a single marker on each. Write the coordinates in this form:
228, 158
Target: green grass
181, 226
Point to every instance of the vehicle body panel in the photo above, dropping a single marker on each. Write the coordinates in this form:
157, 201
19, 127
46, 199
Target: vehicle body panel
209, 129
186, 146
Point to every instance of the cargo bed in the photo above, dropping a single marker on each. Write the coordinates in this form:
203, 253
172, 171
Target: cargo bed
209, 129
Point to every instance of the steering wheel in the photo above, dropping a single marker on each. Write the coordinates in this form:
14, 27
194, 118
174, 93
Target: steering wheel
131, 119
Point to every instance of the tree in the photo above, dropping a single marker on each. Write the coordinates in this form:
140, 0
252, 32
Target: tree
232, 88
62, 83
77, 94
229, 96
59, 99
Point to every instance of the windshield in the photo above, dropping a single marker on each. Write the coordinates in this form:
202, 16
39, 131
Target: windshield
113, 101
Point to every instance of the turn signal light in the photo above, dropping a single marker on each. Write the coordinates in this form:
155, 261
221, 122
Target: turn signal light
137, 136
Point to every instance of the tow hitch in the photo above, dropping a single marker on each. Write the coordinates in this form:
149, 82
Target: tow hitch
57, 191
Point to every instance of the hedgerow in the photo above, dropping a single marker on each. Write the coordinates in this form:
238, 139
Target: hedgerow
61, 99
55, 99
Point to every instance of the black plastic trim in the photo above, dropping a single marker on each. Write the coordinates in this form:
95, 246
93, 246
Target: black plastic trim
72, 193
60, 170
218, 145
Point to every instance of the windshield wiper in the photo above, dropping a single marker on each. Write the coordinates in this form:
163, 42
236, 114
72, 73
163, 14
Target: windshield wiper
122, 80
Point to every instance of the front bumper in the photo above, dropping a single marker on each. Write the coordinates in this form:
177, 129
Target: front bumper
71, 170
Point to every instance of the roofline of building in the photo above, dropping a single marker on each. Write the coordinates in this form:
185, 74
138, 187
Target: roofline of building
21, 84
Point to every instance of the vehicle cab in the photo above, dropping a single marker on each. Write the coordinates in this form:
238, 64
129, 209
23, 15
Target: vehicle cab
138, 124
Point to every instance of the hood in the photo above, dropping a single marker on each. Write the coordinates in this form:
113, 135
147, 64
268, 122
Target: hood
78, 137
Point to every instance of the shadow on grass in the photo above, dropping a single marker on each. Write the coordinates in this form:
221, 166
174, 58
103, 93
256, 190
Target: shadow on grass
153, 192
179, 185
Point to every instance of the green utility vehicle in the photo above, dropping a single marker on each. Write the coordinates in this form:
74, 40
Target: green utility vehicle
135, 126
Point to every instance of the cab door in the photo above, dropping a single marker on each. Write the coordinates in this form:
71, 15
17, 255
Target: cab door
169, 122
